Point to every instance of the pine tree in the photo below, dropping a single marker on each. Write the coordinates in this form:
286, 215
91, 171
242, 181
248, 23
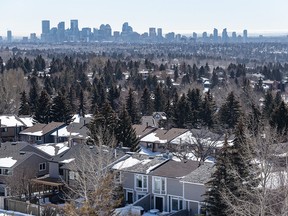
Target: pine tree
61, 109
146, 103
230, 112
42, 112
125, 133
132, 108
24, 108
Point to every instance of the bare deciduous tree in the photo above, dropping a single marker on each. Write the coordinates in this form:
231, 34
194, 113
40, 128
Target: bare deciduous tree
94, 184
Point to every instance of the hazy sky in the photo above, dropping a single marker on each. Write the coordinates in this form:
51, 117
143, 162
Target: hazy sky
181, 16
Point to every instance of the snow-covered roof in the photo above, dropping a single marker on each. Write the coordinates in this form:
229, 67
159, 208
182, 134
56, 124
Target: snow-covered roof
67, 160
126, 163
27, 120
63, 132
153, 138
7, 162
53, 149
77, 118
10, 121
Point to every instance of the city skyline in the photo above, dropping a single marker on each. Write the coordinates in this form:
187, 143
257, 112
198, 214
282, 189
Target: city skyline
183, 16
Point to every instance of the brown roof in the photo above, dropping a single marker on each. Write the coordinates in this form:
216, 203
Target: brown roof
165, 136
43, 128
175, 169
142, 130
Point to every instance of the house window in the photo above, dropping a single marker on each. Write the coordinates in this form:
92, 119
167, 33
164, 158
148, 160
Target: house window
42, 166
141, 182
73, 175
159, 185
5, 171
176, 203
38, 138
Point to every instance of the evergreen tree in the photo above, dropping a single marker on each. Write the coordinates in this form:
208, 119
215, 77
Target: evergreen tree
181, 114
24, 108
125, 133
132, 108
42, 112
279, 118
61, 109
207, 112
254, 120
82, 104
230, 112
146, 103
195, 100
159, 100
33, 94
268, 105
72, 100
104, 122
217, 186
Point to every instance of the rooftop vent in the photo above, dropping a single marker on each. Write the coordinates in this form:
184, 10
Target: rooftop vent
22, 152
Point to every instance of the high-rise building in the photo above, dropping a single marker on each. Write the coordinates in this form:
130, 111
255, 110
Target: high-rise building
245, 36
152, 32
74, 25
33, 37
215, 35
74, 30
159, 33
234, 36
225, 36
45, 26
61, 31
9, 36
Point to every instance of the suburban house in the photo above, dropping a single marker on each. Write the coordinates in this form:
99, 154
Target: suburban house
142, 130
164, 184
11, 125
154, 119
63, 164
75, 132
20, 160
159, 139
41, 133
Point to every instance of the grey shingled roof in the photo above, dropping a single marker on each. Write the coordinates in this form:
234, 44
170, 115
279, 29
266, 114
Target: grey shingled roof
176, 169
20, 151
201, 175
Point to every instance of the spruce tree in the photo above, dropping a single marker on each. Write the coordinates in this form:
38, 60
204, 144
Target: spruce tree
42, 112
195, 100
230, 112
132, 108
61, 109
159, 100
207, 112
279, 118
217, 186
268, 105
82, 109
33, 94
24, 108
181, 114
124, 131
146, 103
